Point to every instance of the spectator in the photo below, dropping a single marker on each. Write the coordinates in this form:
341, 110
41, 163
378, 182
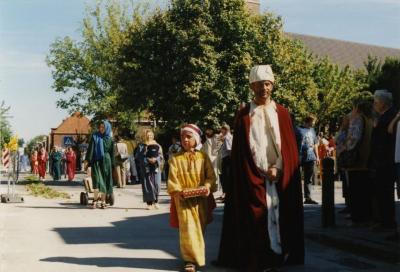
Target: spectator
394, 128
382, 159
308, 156
357, 149
225, 177
120, 161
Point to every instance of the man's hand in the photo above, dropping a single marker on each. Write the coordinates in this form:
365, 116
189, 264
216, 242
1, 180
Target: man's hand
273, 174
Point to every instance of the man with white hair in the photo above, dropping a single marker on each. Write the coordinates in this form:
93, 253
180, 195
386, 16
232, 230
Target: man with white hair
263, 214
382, 159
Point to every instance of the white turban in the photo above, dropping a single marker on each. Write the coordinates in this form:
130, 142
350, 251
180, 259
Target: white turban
196, 131
261, 73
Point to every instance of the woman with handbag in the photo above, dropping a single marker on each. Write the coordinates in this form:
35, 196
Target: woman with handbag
355, 161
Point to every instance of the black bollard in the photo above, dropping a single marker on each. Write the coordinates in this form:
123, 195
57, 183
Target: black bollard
328, 193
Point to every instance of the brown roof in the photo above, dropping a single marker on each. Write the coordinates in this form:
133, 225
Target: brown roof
343, 52
75, 124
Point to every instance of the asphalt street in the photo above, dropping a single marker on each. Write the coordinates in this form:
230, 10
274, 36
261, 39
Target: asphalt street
62, 235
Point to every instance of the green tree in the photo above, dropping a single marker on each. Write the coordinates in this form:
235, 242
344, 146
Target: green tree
5, 127
384, 75
84, 71
190, 63
34, 142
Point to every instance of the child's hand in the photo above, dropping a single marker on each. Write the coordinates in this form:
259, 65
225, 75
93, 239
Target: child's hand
179, 195
208, 190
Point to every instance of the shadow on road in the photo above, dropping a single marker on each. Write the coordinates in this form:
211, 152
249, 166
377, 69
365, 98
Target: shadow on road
141, 233
164, 264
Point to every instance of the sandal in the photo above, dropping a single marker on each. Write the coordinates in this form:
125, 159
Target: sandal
94, 205
103, 206
189, 267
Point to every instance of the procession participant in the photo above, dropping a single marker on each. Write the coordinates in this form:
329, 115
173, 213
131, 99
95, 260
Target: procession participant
263, 216
150, 158
55, 158
191, 169
100, 157
42, 160
34, 163
70, 158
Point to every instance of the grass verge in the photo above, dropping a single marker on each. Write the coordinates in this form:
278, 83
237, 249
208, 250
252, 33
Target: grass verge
39, 189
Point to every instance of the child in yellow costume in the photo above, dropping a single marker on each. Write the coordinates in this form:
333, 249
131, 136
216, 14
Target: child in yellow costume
190, 169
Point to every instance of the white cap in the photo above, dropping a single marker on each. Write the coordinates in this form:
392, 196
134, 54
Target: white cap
261, 73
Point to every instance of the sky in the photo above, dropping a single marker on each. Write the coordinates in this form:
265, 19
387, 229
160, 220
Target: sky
28, 27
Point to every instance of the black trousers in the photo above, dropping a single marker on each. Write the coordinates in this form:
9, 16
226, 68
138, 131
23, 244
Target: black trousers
225, 176
308, 172
384, 193
360, 194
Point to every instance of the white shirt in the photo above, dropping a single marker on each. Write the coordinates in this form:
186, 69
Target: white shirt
265, 137
227, 145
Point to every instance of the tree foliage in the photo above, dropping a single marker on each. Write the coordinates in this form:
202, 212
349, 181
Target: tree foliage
384, 75
85, 70
34, 142
5, 127
190, 63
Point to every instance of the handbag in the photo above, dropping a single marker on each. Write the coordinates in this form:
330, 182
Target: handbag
122, 157
348, 158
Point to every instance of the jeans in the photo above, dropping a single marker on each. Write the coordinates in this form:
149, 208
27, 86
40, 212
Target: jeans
308, 171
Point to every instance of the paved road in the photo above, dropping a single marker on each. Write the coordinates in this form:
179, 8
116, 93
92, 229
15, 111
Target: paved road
61, 235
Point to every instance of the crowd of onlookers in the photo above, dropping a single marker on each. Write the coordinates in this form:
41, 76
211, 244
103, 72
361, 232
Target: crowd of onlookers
366, 150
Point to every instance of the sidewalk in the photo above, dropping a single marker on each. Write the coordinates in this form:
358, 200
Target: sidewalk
359, 240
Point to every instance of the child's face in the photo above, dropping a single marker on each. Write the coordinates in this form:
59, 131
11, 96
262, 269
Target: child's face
188, 140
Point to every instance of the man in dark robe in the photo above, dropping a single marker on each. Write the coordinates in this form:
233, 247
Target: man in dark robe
263, 224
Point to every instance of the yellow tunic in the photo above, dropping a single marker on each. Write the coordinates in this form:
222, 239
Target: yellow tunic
186, 172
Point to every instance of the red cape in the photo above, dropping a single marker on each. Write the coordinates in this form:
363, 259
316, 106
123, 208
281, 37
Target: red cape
244, 239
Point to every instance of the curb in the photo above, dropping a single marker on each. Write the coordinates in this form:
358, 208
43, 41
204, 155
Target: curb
384, 252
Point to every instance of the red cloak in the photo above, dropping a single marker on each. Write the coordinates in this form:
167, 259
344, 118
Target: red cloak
244, 238
71, 164
42, 160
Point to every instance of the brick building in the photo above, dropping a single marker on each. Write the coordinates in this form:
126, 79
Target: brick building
74, 127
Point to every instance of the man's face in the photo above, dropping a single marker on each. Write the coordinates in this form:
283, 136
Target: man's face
262, 90
209, 133
379, 106
187, 140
